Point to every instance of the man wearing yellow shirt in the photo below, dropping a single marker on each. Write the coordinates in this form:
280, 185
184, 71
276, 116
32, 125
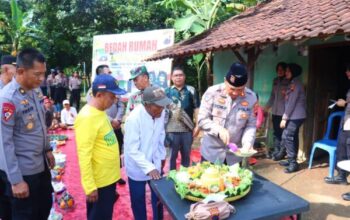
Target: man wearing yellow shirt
98, 150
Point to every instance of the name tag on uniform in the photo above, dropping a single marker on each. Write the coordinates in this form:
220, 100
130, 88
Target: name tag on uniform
243, 109
25, 111
219, 106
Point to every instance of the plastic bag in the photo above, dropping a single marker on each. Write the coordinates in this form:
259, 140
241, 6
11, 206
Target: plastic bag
207, 211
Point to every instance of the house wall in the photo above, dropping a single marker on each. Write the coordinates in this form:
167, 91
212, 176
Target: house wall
265, 72
266, 63
264, 68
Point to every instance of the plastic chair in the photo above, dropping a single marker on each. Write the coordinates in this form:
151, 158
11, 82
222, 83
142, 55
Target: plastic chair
327, 144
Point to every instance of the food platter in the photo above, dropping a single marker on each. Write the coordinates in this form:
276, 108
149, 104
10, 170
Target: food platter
204, 179
227, 199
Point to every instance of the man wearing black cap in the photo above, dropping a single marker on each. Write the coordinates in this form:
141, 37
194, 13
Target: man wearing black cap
226, 116
8, 69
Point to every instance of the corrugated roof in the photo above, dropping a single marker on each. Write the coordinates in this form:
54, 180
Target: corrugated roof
273, 21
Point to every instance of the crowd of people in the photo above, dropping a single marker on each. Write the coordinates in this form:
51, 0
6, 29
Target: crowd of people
154, 118
56, 85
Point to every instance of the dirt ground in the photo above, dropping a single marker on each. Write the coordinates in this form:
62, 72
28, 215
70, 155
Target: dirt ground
325, 199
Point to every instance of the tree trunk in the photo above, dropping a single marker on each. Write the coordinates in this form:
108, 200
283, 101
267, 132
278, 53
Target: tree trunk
209, 64
253, 54
199, 81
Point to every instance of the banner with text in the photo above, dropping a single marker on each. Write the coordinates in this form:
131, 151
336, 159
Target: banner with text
123, 52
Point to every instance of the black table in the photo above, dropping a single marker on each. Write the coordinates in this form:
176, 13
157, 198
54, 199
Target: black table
266, 200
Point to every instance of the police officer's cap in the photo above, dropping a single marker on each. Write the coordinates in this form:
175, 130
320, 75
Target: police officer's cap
8, 59
295, 69
237, 75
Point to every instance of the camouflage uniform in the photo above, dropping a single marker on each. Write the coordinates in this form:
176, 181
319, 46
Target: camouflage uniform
134, 100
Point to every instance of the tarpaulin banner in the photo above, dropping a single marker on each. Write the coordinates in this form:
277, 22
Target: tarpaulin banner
123, 52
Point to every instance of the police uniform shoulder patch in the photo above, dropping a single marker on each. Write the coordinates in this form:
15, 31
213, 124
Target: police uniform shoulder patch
8, 109
207, 98
292, 87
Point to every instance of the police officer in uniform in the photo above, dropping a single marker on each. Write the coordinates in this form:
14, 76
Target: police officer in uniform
226, 116
140, 77
276, 103
293, 117
8, 69
343, 147
25, 153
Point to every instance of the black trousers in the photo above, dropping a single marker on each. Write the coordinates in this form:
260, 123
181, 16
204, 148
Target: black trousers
37, 206
60, 95
103, 208
52, 92
5, 202
44, 90
343, 147
75, 98
277, 132
290, 138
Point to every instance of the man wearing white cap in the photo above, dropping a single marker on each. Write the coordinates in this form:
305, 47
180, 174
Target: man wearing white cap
68, 115
8, 69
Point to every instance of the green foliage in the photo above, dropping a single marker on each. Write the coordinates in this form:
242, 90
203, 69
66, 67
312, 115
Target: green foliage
64, 29
196, 16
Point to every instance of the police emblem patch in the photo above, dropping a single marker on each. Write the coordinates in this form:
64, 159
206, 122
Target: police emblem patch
7, 110
232, 79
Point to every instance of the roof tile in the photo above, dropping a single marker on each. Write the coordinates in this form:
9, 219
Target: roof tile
271, 21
